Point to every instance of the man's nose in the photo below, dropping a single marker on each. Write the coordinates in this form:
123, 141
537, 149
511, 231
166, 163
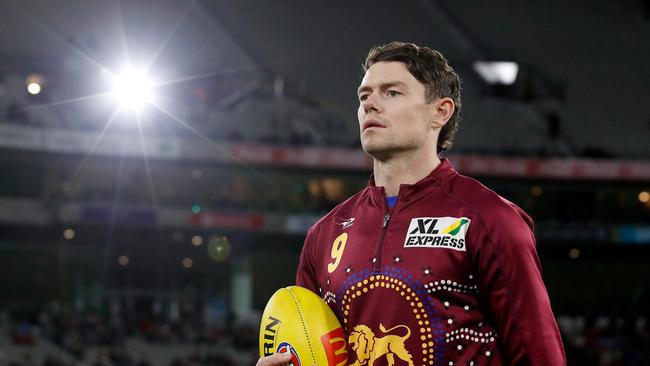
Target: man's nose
370, 104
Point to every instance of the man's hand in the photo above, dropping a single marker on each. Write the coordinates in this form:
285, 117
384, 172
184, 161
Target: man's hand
275, 360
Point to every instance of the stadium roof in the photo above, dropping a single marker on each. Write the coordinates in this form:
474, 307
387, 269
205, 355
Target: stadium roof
599, 52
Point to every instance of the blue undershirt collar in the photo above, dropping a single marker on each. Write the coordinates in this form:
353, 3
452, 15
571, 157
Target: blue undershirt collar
391, 201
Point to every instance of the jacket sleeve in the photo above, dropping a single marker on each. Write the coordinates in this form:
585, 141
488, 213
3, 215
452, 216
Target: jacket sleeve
306, 275
512, 290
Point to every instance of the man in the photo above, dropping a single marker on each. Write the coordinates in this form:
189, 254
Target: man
426, 266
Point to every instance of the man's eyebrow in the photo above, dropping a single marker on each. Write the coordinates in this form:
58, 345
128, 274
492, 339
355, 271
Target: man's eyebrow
385, 85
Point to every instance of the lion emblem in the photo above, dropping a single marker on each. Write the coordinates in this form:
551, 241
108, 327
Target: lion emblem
369, 348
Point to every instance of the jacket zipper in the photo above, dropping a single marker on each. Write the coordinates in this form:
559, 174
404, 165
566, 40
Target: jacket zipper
377, 259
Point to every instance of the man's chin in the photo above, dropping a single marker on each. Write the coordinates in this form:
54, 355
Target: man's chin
377, 151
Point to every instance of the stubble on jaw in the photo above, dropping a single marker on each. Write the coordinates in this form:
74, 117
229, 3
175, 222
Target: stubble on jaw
386, 150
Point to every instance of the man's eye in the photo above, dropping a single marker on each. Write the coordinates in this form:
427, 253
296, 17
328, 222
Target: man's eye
393, 93
363, 97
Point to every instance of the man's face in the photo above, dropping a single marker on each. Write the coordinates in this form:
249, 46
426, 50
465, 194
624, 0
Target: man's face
394, 115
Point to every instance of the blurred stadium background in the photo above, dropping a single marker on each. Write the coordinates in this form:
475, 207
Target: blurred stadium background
153, 233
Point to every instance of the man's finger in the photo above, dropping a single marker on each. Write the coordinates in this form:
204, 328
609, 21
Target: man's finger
274, 360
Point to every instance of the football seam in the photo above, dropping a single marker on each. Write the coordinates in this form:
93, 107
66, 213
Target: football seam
304, 326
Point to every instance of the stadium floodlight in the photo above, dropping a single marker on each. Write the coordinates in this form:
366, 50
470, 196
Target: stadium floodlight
34, 83
497, 72
33, 88
132, 88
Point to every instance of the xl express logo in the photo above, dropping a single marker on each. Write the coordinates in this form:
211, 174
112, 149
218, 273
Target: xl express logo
437, 232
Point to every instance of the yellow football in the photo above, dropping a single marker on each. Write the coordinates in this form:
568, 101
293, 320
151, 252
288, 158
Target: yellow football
298, 321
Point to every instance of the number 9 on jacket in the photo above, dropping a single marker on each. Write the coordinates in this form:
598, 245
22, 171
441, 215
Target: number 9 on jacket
296, 320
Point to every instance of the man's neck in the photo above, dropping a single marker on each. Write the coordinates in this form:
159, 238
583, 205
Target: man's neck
403, 169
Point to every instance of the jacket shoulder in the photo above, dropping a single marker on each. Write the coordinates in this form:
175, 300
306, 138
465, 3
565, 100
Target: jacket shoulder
484, 202
343, 209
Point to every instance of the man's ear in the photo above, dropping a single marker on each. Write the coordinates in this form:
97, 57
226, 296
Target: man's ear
443, 110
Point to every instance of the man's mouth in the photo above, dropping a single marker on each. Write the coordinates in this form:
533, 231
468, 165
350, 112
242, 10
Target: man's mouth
372, 123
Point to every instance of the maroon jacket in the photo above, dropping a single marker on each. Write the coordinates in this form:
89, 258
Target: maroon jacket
449, 276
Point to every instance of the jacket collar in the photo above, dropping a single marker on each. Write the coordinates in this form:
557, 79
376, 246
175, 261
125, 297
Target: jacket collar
410, 192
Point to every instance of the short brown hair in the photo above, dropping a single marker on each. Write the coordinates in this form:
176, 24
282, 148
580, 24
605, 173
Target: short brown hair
432, 69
